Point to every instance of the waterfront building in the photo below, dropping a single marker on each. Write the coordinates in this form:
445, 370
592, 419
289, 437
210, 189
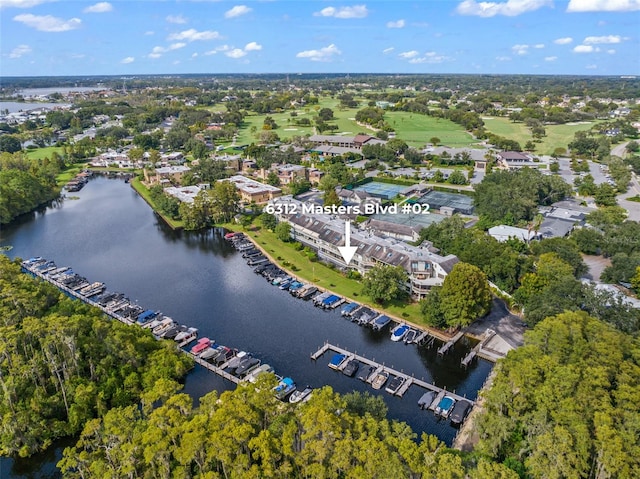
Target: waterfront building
325, 233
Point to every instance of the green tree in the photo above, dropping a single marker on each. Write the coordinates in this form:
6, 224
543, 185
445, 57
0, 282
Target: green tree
224, 201
283, 231
268, 221
465, 295
635, 281
431, 308
384, 283
273, 179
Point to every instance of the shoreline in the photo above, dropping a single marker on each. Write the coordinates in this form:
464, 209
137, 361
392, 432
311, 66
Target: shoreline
432, 331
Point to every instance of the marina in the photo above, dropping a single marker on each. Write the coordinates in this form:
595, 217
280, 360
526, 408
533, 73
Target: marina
407, 382
201, 280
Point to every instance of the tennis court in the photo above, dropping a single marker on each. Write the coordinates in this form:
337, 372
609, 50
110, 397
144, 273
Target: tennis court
385, 191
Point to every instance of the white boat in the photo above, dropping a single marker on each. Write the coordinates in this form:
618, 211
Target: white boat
183, 335
379, 379
399, 331
252, 377
164, 326
299, 395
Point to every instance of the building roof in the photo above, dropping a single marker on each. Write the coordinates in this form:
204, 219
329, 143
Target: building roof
250, 186
504, 233
556, 227
513, 156
170, 170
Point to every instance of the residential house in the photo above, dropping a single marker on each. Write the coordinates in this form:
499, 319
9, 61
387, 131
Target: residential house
252, 191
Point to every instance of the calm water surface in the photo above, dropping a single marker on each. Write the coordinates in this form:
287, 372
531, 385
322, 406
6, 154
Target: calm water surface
110, 234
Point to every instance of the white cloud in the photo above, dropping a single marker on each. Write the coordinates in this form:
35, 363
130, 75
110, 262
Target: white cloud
149, 32
585, 49
386, 51
178, 19
357, 11
127, 60
510, 8
157, 51
550, 59
397, 24
611, 51
409, 54
430, 57
19, 51
520, 49
604, 39
563, 40
21, 3
100, 7
324, 54
193, 35
236, 53
221, 48
538, 45
194, 55
237, 11
252, 46
592, 67
48, 23
503, 59
603, 5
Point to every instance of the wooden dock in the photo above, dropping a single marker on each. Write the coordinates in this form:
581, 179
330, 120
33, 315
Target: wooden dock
112, 314
409, 380
449, 344
476, 350
218, 370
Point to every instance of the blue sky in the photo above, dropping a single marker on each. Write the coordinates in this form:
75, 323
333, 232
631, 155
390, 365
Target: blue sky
126, 37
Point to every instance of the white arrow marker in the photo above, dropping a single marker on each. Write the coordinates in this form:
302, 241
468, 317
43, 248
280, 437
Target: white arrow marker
347, 251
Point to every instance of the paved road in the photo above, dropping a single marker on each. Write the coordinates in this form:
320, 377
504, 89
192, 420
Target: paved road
507, 325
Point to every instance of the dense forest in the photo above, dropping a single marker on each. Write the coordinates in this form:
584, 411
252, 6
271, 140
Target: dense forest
62, 363
565, 405
562, 406
25, 184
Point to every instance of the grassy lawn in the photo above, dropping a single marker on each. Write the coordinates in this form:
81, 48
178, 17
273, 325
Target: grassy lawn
413, 128
40, 153
144, 192
417, 130
325, 277
558, 136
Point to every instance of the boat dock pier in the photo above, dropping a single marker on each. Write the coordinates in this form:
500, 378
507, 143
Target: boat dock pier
408, 380
218, 370
442, 350
112, 313
476, 350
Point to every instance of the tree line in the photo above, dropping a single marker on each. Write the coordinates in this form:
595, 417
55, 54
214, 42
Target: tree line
63, 363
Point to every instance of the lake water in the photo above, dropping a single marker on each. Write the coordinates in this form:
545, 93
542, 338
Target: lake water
15, 106
110, 234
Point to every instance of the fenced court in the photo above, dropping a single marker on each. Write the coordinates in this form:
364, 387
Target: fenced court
386, 191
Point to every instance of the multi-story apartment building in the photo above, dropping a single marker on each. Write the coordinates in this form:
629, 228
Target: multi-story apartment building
325, 233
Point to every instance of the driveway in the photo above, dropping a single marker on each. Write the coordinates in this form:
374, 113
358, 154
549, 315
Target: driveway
509, 326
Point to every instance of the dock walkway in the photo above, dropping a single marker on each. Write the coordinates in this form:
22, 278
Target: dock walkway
409, 380
449, 344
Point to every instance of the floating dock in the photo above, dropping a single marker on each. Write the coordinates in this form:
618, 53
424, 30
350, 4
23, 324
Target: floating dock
442, 350
112, 313
408, 380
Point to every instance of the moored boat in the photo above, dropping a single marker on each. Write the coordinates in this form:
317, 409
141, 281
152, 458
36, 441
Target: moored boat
337, 360
349, 308
351, 368
379, 380
399, 331
445, 406
298, 395
395, 384
252, 377
380, 322
459, 412
285, 387
426, 399
201, 345
411, 336
365, 372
